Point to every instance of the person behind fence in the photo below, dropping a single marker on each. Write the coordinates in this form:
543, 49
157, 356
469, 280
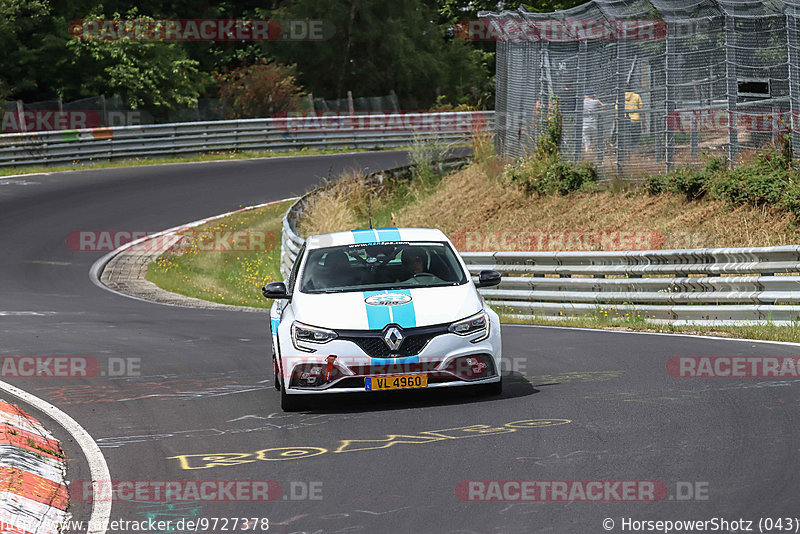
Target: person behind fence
591, 111
632, 120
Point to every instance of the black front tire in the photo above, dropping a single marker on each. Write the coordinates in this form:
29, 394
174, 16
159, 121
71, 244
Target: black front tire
490, 390
275, 380
292, 403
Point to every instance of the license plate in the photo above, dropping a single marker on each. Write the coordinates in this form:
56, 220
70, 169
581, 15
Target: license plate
379, 383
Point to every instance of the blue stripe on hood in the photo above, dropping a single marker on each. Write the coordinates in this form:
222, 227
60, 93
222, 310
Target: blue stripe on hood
377, 316
402, 315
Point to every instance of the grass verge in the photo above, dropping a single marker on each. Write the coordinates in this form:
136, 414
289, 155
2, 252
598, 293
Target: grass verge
228, 277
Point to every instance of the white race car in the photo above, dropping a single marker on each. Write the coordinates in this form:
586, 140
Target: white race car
381, 309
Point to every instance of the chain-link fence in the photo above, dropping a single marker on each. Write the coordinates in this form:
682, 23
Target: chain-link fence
645, 86
101, 111
383, 104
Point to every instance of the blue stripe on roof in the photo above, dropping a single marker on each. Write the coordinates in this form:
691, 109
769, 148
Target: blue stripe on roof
388, 234
363, 237
381, 235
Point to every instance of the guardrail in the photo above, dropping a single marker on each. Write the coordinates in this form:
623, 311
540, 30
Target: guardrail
690, 286
290, 133
757, 285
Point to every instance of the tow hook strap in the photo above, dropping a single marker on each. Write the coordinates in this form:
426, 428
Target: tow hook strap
329, 367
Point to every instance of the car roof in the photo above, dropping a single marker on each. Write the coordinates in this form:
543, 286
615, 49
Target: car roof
377, 235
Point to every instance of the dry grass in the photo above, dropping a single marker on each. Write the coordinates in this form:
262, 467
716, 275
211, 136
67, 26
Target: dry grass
477, 199
338, 208
471, 201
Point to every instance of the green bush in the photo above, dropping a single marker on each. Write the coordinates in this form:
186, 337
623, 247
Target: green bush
545, 173
551, 175
790, 201
691, 182
549, 142
761, 181
655, 184
768, 179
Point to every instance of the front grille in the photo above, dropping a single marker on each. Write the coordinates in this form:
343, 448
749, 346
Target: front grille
376, 346
351, 382
372, 343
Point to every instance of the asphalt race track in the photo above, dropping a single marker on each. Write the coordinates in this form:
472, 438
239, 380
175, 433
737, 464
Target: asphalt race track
577, 405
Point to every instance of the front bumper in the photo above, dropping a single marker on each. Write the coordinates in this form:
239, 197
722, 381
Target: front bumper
447, 359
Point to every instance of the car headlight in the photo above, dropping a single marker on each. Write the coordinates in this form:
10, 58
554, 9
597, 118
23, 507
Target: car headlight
475, 324
310, 334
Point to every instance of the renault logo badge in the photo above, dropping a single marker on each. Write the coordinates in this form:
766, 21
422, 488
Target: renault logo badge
393, 338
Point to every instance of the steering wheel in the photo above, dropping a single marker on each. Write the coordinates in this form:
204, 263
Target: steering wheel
422, 275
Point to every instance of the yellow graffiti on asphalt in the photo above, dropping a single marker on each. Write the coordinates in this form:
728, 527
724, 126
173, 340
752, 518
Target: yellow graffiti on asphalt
209, 460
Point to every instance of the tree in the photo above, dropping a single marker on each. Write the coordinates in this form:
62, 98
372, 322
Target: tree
17, 18
260, 90
153, 75
377, 47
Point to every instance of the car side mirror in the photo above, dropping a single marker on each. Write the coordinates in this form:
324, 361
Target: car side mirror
488, 279
275, 290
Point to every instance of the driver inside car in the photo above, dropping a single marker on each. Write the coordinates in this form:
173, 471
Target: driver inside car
414, 259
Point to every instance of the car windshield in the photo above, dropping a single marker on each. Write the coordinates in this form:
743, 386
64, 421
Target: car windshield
367, 267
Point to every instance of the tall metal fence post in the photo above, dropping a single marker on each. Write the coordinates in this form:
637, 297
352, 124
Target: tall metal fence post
620, 113
669, 98
579, 92
529, 100
794, 77
732, 88
501, 100
21, 117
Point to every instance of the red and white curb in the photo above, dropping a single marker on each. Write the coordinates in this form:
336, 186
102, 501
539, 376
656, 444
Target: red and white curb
33, 488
